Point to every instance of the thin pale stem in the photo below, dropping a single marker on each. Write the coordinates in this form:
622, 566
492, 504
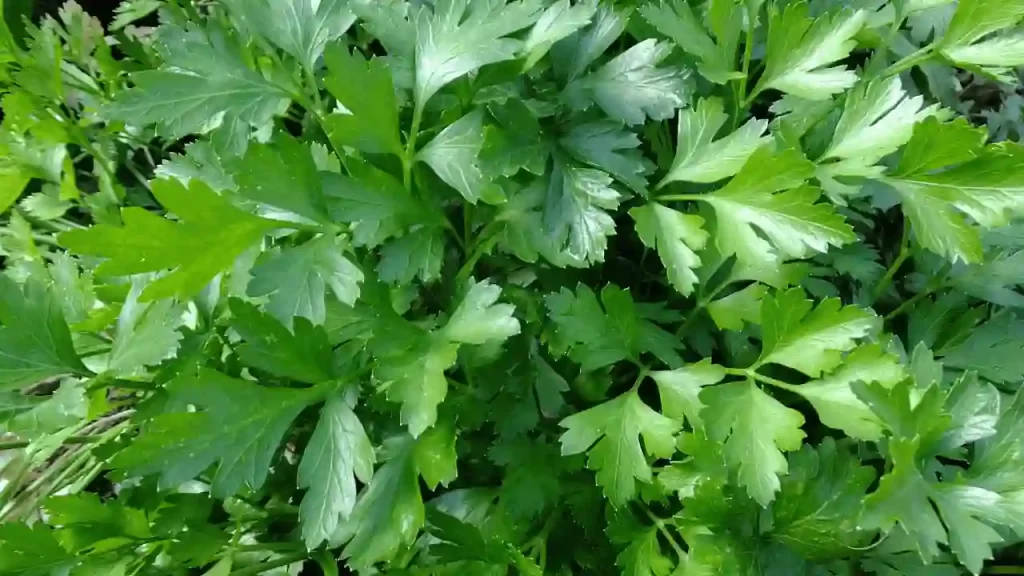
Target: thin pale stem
886, 280
660, 524
909, 61
410, 147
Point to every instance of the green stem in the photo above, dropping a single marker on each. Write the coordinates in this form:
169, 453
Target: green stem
644, 371
410, 147
681, 198
15, 444
748, 52
908, 304
909, 61
276, 563
1004, 570
660, 524
40, 238
883, 285
754, 375
487, 239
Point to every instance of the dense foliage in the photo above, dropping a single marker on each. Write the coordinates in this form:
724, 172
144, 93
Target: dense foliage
723, 287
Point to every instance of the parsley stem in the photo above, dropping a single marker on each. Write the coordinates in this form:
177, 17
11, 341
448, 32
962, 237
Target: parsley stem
660, 524
748, 52
276, 563
487, 239
15, 444
410, 146
908, 304
909, 61
680, 198
886, 280
754, 375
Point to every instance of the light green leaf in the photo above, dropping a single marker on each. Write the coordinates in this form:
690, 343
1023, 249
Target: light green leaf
643, 557
302, 28
67, 406
435, 455
237, 425
677, 237
557, 22
701, 158
35, 343
800, 49
573, 55
754, 429
146, 334
478, 319
811, 341
129, 11
794, 225
201, 162
338, 452
610, 433
834, 399
296, 279
450, 43
631, 87
680, 388
878, 117
742, 306
369, 121
150, 243
454, 156
975, 19
946, 171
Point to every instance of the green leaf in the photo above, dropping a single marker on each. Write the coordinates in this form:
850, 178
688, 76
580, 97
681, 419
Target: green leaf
811, 341
677, 20
35, 343
975, 19
301, 28
149, 243
129, 11
557, 22
66, 407
453, 155
338, 452
201, 162
31, 550
237, 425
701, 158
754, 430
677, 237
297, 279
574, 210
679, 389
302, 354
937, 185
596, 337
373, 201
282, 175
389, 512
631, 87
643, 556
878, 117
801, 50
147, 334
819, 505
415, 378
995, 350
203, 84
794, 225
608, 146
836, 403
435, 455
478, 319
738, 308
364, 88
610, 434
450, 43
417, 254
